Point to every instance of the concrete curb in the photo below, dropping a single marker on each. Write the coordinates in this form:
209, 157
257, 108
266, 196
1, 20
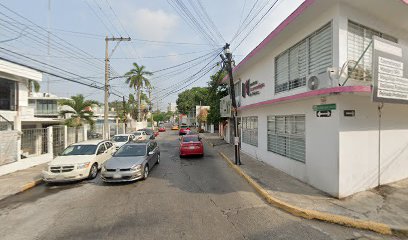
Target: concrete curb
313, 214
30, 185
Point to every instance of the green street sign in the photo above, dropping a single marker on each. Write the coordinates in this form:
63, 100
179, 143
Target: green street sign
324, 107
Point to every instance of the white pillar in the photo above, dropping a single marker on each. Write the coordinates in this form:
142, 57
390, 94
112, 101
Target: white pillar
212, 128
85, 129
65, 136
17, 127
124, 128
117, 125
50, 140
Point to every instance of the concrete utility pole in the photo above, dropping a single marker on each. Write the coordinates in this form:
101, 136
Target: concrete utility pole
106, 106
234, 120
151, 107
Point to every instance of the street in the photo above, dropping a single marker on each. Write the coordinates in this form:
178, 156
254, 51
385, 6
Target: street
189, 198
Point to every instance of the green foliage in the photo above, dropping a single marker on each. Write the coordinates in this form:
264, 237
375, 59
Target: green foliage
33, 84
216, 91
80, 109
162, 116
188, 99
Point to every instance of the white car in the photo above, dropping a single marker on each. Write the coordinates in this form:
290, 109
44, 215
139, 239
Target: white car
140, 136
120, 139
79, 161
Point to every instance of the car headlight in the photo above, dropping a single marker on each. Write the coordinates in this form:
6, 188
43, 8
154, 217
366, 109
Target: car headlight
83, 165
136, 167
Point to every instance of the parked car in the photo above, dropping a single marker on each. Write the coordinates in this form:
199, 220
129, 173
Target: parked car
149, 132
184, 129
120, 139
140, 135
162, 129
93, 135
79, 161
191, 145
174, 127
131, 162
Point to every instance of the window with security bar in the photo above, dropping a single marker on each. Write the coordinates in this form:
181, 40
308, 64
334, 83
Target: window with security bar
358, 39
250, 130
312, 55
286, 136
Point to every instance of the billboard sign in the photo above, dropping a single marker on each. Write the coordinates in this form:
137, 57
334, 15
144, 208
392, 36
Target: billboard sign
390, 72
225, 106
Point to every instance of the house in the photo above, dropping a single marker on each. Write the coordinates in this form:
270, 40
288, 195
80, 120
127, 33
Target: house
305, 105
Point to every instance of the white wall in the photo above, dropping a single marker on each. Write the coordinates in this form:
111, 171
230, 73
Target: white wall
321, 167
359, 137
262, 69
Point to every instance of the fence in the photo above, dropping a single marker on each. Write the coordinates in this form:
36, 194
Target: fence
34, 141
58, 139
8, 146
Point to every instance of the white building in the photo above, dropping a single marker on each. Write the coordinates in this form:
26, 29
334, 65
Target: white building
30, 110
172, 107
295, 116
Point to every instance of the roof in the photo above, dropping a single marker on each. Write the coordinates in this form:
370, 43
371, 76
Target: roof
18, 72
140, 142
90, 142
272, 35
124, 134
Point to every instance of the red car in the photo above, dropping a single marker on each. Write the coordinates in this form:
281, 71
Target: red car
184, 130
191, 145
162, 129
156, 134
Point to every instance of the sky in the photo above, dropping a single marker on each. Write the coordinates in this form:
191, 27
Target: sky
182, 53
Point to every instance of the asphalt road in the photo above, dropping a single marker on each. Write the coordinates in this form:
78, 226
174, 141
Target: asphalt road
189, 198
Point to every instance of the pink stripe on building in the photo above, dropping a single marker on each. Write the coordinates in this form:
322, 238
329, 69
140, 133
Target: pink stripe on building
347, 89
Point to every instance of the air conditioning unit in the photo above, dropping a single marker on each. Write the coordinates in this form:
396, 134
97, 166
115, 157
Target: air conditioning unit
320, 81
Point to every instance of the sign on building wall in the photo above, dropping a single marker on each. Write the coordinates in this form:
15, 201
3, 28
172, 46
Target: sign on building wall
251, 88
390, 72
225, 106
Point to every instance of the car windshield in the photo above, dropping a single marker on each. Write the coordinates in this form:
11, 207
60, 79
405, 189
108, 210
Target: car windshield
184, 126
120, 138
148, 131
137, 133
190, 139
79, 150
131, 150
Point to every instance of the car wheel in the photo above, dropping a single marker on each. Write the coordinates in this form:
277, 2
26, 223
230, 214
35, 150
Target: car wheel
93, 172
158, 159
146, 172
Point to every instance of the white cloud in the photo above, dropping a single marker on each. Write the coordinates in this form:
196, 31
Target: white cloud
152, 24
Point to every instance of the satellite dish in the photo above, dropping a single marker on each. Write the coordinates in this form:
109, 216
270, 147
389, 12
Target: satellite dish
313, 83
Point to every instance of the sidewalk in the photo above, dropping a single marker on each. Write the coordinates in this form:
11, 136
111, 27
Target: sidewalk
388, 204
20, 181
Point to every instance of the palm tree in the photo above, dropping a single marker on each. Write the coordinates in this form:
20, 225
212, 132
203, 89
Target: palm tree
136, 78
81, 111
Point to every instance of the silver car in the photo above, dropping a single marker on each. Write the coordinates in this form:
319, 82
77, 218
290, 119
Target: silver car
132, 161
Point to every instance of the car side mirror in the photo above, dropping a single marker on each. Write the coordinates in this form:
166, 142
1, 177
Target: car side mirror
151, 153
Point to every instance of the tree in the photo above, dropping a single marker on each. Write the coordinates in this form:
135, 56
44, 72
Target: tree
136, 78
216, 91
81, 111
188, 99
33, 84
202, 116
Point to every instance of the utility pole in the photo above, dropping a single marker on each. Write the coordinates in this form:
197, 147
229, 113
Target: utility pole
227, 59
151, 107
49, 42
124, 112
106, 106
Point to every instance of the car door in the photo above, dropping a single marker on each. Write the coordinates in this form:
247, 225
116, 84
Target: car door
100, 153
150, 158
156, 151
108, 151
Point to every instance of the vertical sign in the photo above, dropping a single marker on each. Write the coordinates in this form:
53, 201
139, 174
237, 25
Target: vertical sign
390, 82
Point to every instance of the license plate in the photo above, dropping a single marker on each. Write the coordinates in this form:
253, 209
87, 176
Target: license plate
116, 176
191, 147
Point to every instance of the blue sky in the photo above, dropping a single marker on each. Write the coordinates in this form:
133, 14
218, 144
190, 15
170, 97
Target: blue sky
77, 41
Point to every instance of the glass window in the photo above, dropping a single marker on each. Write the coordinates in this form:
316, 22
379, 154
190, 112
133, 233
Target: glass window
309, 56
286, 136
131, 150
250, 130
79, 150
358, 39
102, 148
